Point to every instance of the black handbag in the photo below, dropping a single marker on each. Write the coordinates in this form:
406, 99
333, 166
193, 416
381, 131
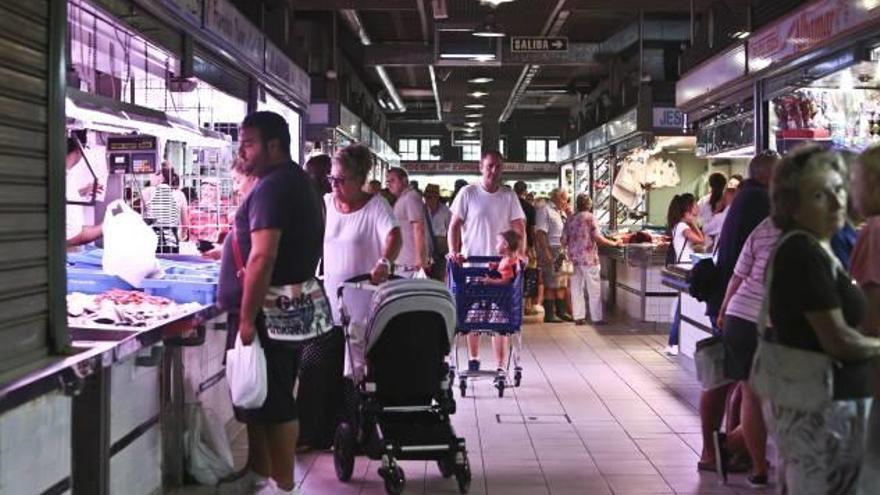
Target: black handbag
703, 280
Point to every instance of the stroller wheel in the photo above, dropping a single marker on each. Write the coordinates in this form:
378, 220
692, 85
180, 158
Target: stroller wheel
446, 465
462, 385
395, 481
499, 384
517, 378
463, 475
343, 452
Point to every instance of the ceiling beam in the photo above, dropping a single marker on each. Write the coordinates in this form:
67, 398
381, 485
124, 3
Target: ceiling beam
382, 5
408, 54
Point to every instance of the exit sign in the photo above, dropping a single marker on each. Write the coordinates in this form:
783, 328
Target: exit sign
538, 44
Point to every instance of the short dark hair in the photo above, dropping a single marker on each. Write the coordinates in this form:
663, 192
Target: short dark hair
399, 172
520, 187
512, 238
271, 126
72, 145
493, 153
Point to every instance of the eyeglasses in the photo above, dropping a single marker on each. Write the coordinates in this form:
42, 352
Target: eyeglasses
336, 181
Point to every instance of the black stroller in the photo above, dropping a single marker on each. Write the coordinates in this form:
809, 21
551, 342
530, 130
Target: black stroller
399, 407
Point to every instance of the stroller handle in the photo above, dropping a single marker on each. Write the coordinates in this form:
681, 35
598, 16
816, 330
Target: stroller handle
360, 282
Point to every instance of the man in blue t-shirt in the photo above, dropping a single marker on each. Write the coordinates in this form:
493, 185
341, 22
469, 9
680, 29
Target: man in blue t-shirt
279, 235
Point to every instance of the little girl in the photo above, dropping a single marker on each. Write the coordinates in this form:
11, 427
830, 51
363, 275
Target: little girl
508, 248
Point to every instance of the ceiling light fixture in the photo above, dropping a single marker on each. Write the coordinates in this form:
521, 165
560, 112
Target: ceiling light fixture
470, 124
474, 116
475, 106
482, 57
740, 35
489, 29
478, 94
495, 3
480, 80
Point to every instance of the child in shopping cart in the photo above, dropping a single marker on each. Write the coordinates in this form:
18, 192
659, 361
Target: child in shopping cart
504, 271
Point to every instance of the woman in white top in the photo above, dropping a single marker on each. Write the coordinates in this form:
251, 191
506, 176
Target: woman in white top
361, 236
687, 238
711, 204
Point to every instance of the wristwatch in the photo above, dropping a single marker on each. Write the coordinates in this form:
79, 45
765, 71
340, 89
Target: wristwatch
388, 264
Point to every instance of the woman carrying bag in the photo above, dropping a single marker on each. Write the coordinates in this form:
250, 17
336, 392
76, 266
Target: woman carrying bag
813, 368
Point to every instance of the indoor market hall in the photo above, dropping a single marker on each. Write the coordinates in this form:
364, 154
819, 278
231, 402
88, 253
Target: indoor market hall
352, 247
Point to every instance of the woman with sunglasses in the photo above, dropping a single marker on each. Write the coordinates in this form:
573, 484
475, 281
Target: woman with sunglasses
361, 236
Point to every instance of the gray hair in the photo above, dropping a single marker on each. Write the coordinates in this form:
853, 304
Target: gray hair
787, 176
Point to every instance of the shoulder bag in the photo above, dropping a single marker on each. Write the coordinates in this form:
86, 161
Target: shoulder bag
789, 377
703, 279
709, 361
294, 313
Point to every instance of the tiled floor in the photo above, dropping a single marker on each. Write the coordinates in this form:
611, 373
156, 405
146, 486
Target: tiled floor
598, 412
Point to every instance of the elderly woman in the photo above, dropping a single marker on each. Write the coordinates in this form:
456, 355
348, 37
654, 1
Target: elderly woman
814, 306
581, 237
361, 236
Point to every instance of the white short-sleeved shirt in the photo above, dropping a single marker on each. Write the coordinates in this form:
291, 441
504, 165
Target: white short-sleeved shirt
704, 206
440, 220
409, 208
75, 220
683, 247
548, 219
485, 216
353, 244
712, 229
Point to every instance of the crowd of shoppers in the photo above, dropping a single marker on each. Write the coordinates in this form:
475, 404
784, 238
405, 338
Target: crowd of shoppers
774, 244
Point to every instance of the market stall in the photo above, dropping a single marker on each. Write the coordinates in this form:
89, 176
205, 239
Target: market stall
695, 325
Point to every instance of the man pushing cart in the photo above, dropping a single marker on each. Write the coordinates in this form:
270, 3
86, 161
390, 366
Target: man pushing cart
480, 213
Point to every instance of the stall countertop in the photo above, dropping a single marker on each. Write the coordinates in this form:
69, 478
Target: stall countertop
643, 254
675, 276
91, 349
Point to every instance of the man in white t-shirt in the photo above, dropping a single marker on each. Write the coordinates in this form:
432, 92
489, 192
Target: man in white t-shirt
480, 212
409, 210
76, 232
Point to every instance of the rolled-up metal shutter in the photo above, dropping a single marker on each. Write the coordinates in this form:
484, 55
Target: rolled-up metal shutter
31, 135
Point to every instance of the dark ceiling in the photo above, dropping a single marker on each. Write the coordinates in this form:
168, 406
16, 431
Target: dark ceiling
416, 24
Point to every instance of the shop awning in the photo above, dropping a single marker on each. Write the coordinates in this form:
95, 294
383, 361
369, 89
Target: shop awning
88, 111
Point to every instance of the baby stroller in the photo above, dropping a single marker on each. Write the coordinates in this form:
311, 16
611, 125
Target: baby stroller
400, 407
487, 309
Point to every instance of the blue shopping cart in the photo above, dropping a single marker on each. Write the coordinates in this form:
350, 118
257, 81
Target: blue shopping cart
483, 308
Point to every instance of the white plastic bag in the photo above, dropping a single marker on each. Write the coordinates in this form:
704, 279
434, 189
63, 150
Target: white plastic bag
246, 374
129, 244
209, 456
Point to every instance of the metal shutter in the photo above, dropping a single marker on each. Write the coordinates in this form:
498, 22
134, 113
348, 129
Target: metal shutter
31, 120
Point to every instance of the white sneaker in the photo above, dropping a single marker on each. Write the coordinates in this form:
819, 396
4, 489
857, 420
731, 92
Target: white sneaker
271, 488
247, 484
672, 350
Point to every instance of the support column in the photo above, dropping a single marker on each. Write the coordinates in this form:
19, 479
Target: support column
91, 435
761, 116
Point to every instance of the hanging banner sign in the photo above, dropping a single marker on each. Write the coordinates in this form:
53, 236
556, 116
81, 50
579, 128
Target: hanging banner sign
474, 167
224, 20
806, 28
668, 118
538, 44
280, 66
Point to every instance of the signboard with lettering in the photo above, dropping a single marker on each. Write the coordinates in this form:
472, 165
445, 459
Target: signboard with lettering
538, 44
224, 20
474, 168
668, 118
812, 24
280, 66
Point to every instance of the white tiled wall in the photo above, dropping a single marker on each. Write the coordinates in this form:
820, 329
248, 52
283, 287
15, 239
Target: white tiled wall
35, 445
660, 309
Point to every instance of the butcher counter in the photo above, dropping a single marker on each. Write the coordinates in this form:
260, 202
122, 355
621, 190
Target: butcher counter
633, 272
